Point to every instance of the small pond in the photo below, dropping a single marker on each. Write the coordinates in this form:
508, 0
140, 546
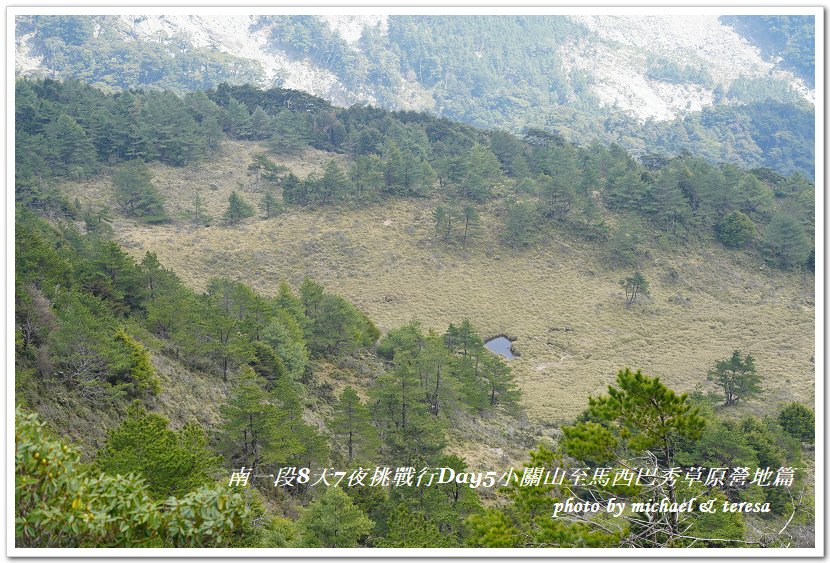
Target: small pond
501, 346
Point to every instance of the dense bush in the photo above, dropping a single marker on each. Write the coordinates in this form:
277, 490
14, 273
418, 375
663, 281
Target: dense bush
799, 422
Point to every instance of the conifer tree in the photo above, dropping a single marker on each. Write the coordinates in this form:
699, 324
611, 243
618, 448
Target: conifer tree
135, 193
332, 184
735, 230
400, 411
366, 175
667, 204
526, 520
737, 377
294, 190
238, 209
351, 425
471, 219
518, 225
269, 204
498, 381
260, 124
480, 172
622, 246
68, 147
139, 369
634, 286
200, 217
238, 119
172, 462
332, 520
627, 191
211, 130
289, 132
251, 432
435, 372
408, 529
293, 305
640, 418
785, 244
557, 194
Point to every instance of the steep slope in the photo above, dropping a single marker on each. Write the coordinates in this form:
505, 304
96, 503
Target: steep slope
594, 78
627, 57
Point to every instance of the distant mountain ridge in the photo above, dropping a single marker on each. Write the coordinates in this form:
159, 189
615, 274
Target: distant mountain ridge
651, 84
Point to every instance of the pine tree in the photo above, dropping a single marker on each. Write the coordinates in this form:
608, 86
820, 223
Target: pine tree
627, 191
332, 520
285, 336
269, 204
294, 190
737, 377
557, 194
138, 368
408, 529
435, 372
634, 286
332, 185
501, 390
238, 119
406, 429
251, 432
200, 217
525, 521
136, 195
480, 172
366, 175
67, 147
172, 462
755, 198
622, 247
221, 338
293, 305
641, 418
289, 132
518, 225
667, 204
393, 169
471, 219
717, 193
799, 422
591, 220
735, 230
641, 414
212, 132
351, 425
785, 244
238, 209
260, 124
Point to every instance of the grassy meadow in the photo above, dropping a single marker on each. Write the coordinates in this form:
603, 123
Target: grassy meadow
558, 299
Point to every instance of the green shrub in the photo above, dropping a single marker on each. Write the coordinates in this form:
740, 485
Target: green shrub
735, 230
60, 503
799, 422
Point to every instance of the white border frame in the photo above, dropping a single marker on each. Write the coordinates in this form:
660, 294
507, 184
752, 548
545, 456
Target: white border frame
461, 8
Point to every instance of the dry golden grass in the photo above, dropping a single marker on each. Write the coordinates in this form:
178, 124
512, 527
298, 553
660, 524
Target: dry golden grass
385, 259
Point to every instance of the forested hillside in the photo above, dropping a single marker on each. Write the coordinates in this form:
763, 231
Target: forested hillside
175, 321
651, 84
792, 38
